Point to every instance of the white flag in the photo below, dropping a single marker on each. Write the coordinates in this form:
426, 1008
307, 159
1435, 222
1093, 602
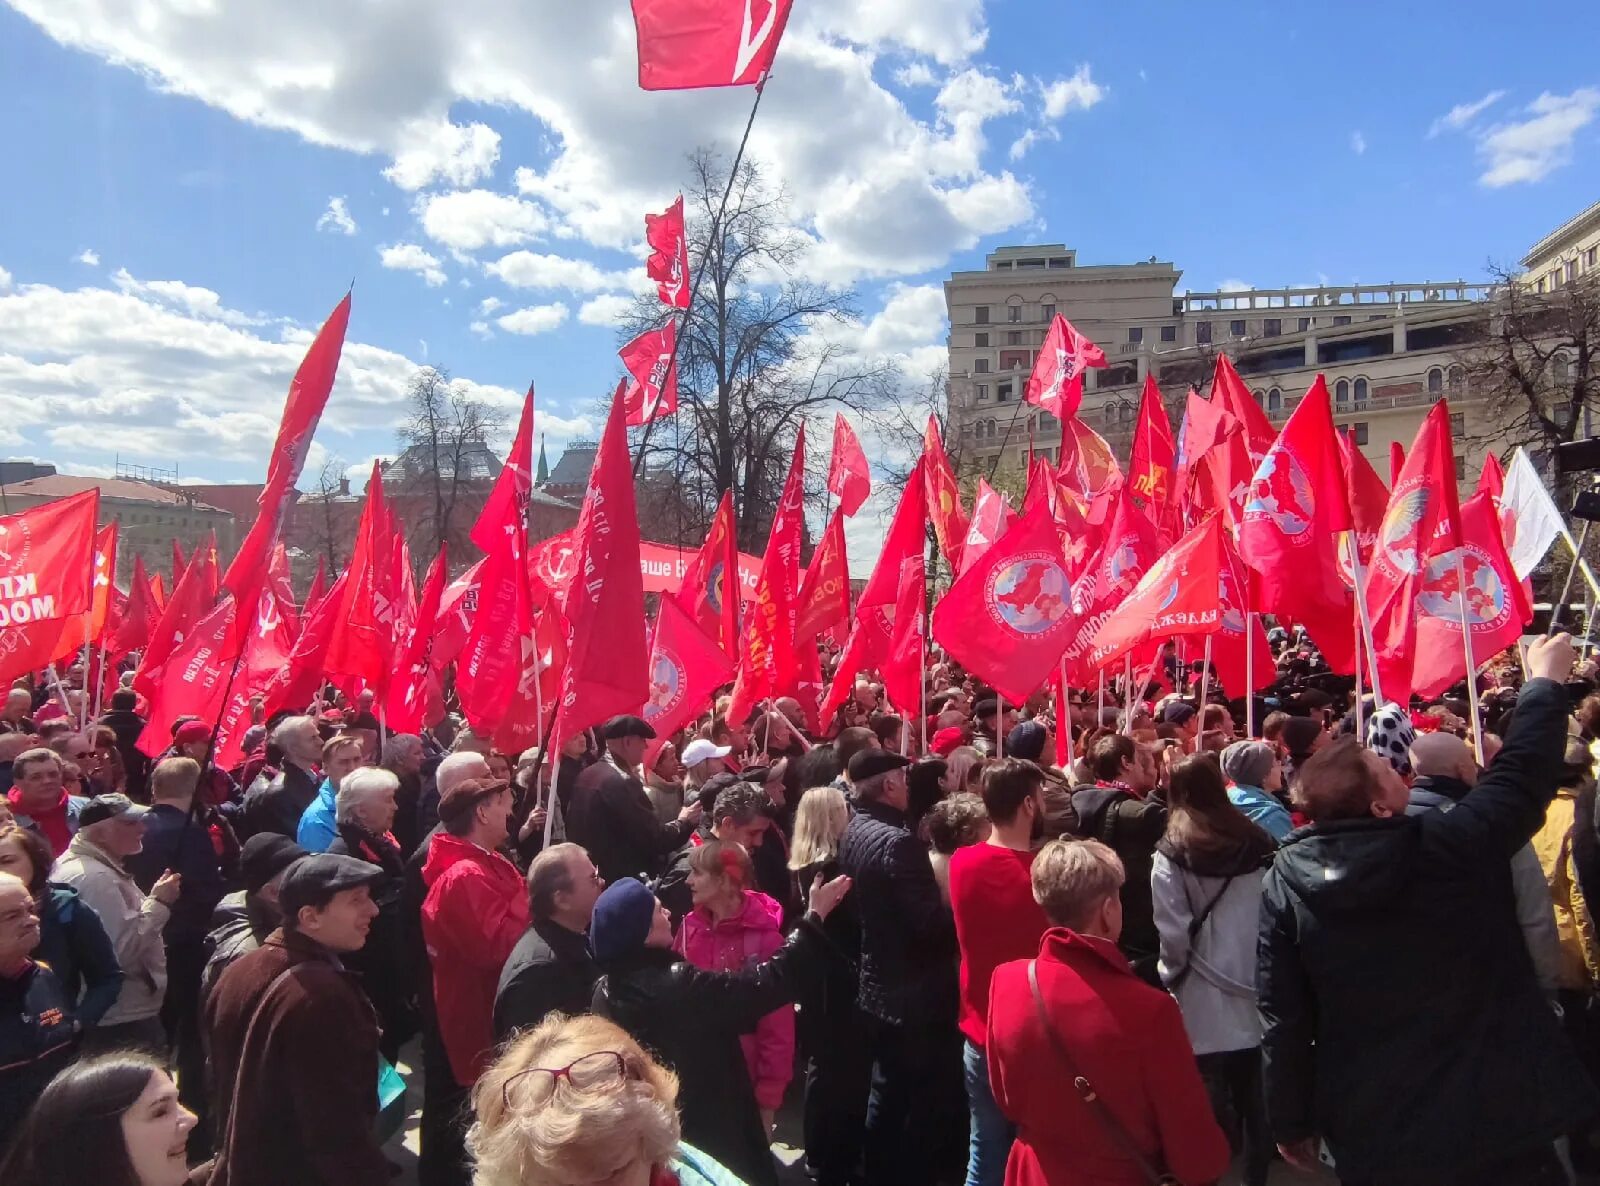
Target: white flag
1528, 517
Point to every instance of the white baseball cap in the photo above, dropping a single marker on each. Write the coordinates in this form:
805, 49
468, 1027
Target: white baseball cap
700, 750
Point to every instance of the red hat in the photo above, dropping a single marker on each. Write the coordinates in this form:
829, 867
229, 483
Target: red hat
192, 731
945, 741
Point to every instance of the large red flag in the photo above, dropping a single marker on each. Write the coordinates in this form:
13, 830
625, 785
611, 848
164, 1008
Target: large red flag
1239, 665
1132, 544
767, 665
608, 656
668, 264
46, 579
415, 690
1492, 478
158, 591
686, 669
651, 392
280, 579
490, 663
90, 625
1369, 499
902, 667
685, 44
824, 599
361, 650
318, 588
1056, 384
308, 396
849, 476
1295, 509
992, 517
139, 616
507, 503
1230, 390
709, 593
1007, 618
1180, 594
1089, 469
179, 564
1494, 601
1150, 468
907, 536
191, 600
944, 496
296, 684
1423, 520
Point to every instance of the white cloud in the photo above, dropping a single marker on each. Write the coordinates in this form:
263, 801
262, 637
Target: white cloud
1358, 143
529, 269
481, 329
974, 94
88, 256
469, 220
488, 305
408, 257
431, 150
535, 319
949, 31
605, 310
5, 280
1078, 93
1531, 149
916, 73
336, 218
186, 298
1463, 114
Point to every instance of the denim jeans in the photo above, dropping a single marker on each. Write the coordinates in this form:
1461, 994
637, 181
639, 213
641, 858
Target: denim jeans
992, 1133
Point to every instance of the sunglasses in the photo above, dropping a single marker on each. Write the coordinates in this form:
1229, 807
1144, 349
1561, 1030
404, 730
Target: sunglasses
601, 1070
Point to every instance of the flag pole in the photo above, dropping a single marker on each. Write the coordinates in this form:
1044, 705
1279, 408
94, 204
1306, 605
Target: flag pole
999, 725
538, 672
1360, 574
1100, 698
1472, 666
100, 680
694, 285
1205, 682
1361, 727
61, 692
1127, 694
922, 650
1566, 585
1249, 671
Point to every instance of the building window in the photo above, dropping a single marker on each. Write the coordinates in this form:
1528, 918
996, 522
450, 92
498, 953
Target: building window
1539, 285
1125, 412
1555, 279
1272, 326
1169, 333
1002, 393
1274, 400
1135, 333
980, 366
1047, 312
1359, 429
1305, 324
1458, 424
1236, 328
1013, 337
1591, 256
980, 339
1013, 312
1202, 332
982, 390
1461, 469
982, 314
1457, 379
1361, 391
1341, 320
1571, 270
1435, 381
1341, 391
1560, 371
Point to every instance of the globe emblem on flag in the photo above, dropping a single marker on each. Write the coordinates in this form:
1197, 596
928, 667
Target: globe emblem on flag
16, 540
1028, 594
1121, 563
1398, 534
714, 584
666, 685
1169, 596
1232, 616
1281, 492
1487, 602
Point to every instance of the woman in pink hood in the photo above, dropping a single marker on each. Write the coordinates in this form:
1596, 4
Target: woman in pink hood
732, 927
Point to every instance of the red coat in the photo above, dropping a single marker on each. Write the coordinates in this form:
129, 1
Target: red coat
1127, 1040
475, 911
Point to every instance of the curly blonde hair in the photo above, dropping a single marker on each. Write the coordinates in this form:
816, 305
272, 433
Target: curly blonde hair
567, 1135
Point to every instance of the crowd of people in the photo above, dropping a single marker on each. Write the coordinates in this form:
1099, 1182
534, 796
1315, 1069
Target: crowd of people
1198, 933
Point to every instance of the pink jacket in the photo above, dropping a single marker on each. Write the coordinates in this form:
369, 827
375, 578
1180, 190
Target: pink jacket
748, 938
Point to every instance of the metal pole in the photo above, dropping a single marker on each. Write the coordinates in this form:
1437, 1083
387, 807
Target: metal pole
1472, 666
1127, 694
1361, 727
999, 725
1360, 575
1566, 585
1249, 673
1100, 698
922, 647
1205, 682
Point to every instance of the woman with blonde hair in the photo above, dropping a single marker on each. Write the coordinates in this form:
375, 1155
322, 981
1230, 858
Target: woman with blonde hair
575, 1099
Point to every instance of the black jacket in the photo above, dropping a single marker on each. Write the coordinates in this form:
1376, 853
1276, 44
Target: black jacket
612, 818
1132, 827
277, 806
127, 725
381, 961
908, 936
549, 970
1403, 1022
691, 1019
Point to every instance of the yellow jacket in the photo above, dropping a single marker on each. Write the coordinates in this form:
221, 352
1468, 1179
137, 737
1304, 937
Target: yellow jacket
1575, 925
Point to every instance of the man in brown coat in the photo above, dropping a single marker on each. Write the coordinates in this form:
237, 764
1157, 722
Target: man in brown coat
294, 1041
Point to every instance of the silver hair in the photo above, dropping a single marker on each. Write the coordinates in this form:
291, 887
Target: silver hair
457, 768
288, 727
357, 788
397, 746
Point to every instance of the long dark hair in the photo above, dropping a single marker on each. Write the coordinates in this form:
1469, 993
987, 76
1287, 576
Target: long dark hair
73, 1133
1202, 823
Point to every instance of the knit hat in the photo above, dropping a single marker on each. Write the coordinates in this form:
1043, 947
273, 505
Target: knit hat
1026, 740
1247, 763
622, 918
946, 741
1390, 734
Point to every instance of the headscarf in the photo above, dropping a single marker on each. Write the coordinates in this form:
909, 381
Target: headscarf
1390, 734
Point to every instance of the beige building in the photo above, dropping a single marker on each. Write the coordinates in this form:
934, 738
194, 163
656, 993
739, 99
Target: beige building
1388, 351
1569, 251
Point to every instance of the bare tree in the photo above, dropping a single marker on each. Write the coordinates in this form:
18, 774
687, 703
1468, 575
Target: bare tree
446, 467
330, 526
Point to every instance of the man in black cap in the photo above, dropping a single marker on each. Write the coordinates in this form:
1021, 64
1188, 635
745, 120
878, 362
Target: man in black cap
611, 815
243, 919
990, 723
294, 1041
908, 970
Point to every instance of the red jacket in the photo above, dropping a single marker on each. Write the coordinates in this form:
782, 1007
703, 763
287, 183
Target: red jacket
475, 911
1128, 1040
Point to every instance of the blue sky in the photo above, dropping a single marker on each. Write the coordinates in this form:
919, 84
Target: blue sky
161, 258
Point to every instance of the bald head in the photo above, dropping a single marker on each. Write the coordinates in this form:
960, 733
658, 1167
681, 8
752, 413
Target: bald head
1443, 755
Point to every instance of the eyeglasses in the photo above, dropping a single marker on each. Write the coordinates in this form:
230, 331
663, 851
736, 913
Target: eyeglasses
601, 1070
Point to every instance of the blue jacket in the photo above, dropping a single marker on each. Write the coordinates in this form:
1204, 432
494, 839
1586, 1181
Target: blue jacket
1262, 810
73, 943
318, 826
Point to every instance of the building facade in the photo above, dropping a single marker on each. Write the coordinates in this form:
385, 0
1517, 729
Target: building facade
1566, 253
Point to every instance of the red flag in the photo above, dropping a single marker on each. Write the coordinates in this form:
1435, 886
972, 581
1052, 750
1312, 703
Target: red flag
866, 649
91, 624
554, 563
607, 660
1495, 603
415, 689
1089, 469
1150, 468
824, 598
1423, 521
767, 666
280, 579
507, 504
686, 669
1056, 384
944, 496
668, 264
361, 650
490, 662
1369, 499
46, 579
138, 617
1397, 461
192, 599
179, 564
1296, 508
297, 682
992, 517
1238, 667
319, 587
653, 390
1132, 544
902, 667
907, 535
849, 476
685, 44
308, 396
1007, 618
158, 591
1180, 594
710, 590
1492, 478
1230, 390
